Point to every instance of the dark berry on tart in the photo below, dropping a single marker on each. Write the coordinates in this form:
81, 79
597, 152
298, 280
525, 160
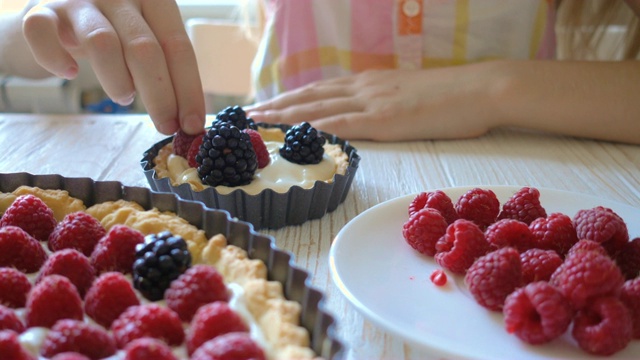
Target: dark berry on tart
161, 259
226, 156
235, 115
303, 145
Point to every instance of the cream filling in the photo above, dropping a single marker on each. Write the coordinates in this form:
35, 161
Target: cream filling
280, 175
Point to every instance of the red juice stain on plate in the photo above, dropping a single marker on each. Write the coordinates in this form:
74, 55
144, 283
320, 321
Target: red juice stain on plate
438, 277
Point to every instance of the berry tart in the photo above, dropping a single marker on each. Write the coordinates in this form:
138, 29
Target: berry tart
269, 175
98, 270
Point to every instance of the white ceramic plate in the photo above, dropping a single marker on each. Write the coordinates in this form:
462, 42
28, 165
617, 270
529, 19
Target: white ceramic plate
388, 282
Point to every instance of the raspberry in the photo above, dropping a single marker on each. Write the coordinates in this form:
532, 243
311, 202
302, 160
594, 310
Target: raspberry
213, 320
554, 232
10, 348
423, 229
150, 320
494, 276
537, 313
587, 245
460, 246
436, 200
79, 231
587, 275
69, 356
52, 299
630, 296
30, 214
199, 285
538, 264
603, 327
229, 346
629, 259
260, 148
71, 264
147, 349
20, 250
478, 205
193, 151
116, 250
603, 226
182, 141
524, 206
14, 287
509, 232
77, 336
110, 295
9, 320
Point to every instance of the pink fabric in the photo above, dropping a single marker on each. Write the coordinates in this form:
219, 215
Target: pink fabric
547, 48
295, 14
310, 40
372, 26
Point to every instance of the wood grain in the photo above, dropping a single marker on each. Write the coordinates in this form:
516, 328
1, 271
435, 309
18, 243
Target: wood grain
109, 147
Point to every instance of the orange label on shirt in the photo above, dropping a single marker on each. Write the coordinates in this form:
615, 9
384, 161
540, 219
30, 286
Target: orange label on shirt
409, 17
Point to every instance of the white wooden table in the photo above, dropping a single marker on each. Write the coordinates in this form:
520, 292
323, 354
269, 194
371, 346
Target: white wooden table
109, 147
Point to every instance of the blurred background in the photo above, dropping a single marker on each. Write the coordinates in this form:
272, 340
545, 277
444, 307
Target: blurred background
226, 79
230, 27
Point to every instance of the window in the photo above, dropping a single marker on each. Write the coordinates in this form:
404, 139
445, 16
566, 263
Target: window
214, 9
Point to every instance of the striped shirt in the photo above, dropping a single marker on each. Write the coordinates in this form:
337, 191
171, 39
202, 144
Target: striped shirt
310, 40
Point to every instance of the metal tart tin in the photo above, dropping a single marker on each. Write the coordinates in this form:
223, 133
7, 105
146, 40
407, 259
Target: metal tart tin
280, 264
268, 209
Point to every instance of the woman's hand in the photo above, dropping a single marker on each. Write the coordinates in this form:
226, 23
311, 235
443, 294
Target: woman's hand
134, 46
389, 105
587, 99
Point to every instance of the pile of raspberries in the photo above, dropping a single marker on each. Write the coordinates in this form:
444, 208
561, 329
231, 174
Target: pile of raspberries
543, 272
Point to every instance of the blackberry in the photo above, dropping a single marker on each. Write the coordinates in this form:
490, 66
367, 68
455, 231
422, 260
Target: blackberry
303, 145
162, 258
226, 156
237, 117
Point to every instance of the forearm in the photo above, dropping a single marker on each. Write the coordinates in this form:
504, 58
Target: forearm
596, 100
15, 55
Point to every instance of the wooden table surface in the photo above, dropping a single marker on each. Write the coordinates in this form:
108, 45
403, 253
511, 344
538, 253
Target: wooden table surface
109, 147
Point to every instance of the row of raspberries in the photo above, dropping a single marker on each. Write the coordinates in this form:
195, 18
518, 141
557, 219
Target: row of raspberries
230, 151
85, 285
544, 272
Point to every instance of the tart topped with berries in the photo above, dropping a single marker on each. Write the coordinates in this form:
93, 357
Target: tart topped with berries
235, 153
269, 175
117, 280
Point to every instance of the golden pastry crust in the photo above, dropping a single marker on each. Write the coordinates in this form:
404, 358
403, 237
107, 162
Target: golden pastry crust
59, 201
160, 161
102, 210
6, 199
271, 134
147, 221
276, 316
